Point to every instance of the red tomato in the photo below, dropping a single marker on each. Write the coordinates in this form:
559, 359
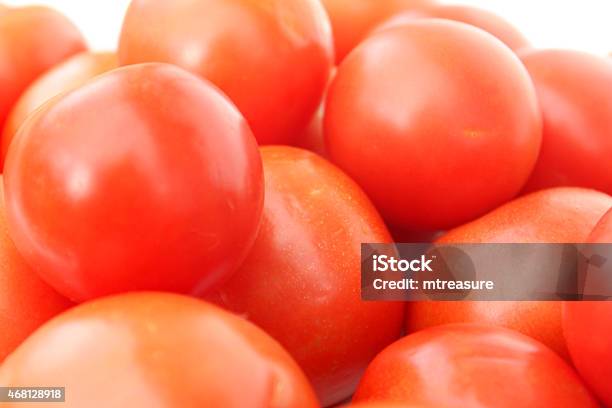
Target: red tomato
118, 186
66, 76
433, 157
26, 301
352, 20
271, 57
575, 90
556, 216
587, 327
483, 19
472, 366
301, 281
32, 40
157, 350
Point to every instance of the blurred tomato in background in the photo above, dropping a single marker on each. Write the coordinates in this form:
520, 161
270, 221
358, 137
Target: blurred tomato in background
352, 20
26, 301
65, 76
272, 58
477, 17
32, 40
575, 90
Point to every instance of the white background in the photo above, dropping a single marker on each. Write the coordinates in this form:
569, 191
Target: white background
578, 24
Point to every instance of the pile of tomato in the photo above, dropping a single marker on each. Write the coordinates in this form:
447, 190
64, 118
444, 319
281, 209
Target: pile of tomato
181, 220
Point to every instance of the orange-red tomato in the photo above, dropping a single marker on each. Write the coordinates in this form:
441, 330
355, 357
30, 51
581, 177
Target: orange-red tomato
433, 157
68, 75
477, 17
561, 215
301, 281
352, 20
587, 327
118, 185
32, 40
26, 301
272, 58
575, 90
157, 350
472, 366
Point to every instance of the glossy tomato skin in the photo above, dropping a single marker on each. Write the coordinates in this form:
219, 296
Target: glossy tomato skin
574, 90
389, 128
65, 76
158, 350
352, 20
118, 186
301, 281
472, 366
477, 17
25, 53
26, 301
587, 327
271, 57
561, 215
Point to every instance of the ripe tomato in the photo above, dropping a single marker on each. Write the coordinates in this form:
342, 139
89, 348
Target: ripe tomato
433, 157
352, 20
556, 216
32, 40
157, 350
144, 178
587, 327
575, 90
271, 57
26, 301
68, 75
472, 366
301, 281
